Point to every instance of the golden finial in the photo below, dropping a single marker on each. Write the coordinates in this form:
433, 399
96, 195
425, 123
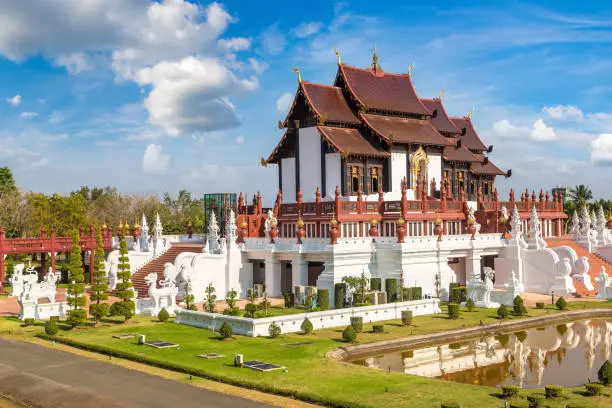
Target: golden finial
346, 153
281, 125
297, 71
136, 225
375, 59
337, 55
442, 93
411, 69
263, 162
469, 115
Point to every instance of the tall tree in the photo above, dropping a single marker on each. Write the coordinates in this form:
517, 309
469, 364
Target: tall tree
580, 195
76, 289
100, 287
7, 182
125, 307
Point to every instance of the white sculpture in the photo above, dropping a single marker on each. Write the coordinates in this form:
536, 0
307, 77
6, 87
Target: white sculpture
604, 285
575, 226
516, 228
535, 240
111, 273
581, 272
504, 213
231, 228
158, 241
479, 290
268, 224
162, 297
472, 218
33, 292
585, 222
20, 278
144, 234
601, 228
213, 234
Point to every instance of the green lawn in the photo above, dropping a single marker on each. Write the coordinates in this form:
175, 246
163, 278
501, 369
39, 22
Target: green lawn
311, 375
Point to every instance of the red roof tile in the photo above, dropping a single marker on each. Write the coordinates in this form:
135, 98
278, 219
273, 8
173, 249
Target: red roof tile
489, 168
405, 130
459, 154
350, 141
328, 101
441, 121
391, 92
471, 140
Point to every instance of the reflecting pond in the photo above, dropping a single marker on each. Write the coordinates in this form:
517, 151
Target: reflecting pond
568, 354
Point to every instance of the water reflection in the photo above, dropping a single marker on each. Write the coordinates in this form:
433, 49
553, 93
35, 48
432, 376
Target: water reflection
568, 355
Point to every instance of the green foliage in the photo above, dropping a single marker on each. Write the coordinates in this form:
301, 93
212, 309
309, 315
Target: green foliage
521, 335
51, 327
99, 289
378, 328
375, 283
348, 334
29, 322
594, 390
519, 306
210, 298
307, 326
126, 309
323, 299
502, 312
163, 315
250, 309
417, 293
407, 294
605, 373
357, 323
453, 311
450, 404
407, 317
7, 182
230, 299
274, 330
535, 400
289, 298
469, 304
339, 295
509, 391
553, 391
457, 294
562, 329
580, 195
123, 289
561, 303
539, 305
357, 285
518, 404
9, 268
76, 288
391, 289
188, 298
99, 310
226, 331
77, 317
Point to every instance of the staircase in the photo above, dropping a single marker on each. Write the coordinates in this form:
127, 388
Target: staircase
157, 266
595, 262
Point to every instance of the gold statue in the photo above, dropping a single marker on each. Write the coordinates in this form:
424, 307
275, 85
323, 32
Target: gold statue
263, 162
411, 69
297, 71
469, 115
375, 59
281, 125
337, 56
442, 93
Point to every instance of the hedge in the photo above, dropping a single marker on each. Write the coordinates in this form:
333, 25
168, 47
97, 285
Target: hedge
51, 327
605, 373
323, 299
348, 334
535, 400
469, 304
378, 328
450, 404
209, 375
452, 286
357, 323
453, 311
406, 294
289, 298
375, 283
539, 305
502, 312
415, 293
340, 295
391, 289
510, 391
163, 315
594, 390
306, 326
518, 404
553, 391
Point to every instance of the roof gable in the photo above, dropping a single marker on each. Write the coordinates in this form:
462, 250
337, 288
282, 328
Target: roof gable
470, 139
439, 118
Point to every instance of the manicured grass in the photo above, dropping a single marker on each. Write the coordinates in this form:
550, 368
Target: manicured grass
310, 375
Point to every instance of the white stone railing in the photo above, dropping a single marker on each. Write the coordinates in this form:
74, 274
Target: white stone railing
320, 320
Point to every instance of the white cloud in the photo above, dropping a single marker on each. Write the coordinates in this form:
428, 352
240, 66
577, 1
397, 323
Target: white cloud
541, 132
76, 62
258, 67
505, 129
240, 140
283, 103
273, 42
29, 114
601, 150
305, 29
567, 112
57, 117
155, 161
15, 100
235, 44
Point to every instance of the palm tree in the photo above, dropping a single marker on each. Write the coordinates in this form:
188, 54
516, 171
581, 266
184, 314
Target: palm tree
580, 195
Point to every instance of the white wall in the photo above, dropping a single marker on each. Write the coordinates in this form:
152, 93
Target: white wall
310, 162
288, 169
398, 168
434, 170
333, 173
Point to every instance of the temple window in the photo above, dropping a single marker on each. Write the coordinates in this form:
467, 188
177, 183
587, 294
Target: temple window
485, 188
374, 175
354, 181
472, 187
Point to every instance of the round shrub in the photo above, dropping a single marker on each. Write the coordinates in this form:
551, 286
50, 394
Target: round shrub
250, 309
340, 295
163, 315
357, 323
502, 312
28, 322
348, 334
99, 310
521, 336
307, 326
594, 390
323, 299
553, 391
562, 329
391, 289
605, 373
77, 317
510, 391
375, 284
539, 305
378, 328
453, 311
518, 404
406, 317
226, 331
450, 404
51, 328
519, 306
469, 304
561, 303
274, 330
535, 400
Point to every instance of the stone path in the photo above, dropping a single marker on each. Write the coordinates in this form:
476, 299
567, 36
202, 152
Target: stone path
44, 377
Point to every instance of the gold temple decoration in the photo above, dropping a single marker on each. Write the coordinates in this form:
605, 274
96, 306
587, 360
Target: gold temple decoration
297, 71
337, 56
263, 162
375, 59
417, 159
281, 125
470, 112
442, 93
411, 69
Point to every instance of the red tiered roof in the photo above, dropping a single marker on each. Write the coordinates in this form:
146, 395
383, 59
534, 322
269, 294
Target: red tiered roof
328, 101
441, 121
471, 140
405, 130
350, 141
488, 168
459, 154
375, 89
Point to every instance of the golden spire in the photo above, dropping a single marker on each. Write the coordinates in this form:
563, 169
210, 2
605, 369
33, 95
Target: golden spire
471, 111
297, 71
411, 69
375, 59
263, 162
442, 93
337, 56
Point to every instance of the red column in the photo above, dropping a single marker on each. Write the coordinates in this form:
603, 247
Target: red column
1, 259
52, 233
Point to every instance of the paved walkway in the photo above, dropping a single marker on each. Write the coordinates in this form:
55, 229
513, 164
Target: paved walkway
43, 377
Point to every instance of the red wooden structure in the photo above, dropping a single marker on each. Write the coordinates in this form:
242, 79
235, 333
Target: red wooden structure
50, 244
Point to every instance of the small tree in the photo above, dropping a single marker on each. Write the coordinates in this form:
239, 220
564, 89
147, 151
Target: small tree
561, 303
265, 303
124, 307
76, 289
226, 331
518, 306
502, 312
163, 315
469, 304
189, 298
348, 334
10, 268
307, 326
211, 298
605, 373
274, 330
51, 327
453, 311
357, 285
406, 317
99, 290
230, 299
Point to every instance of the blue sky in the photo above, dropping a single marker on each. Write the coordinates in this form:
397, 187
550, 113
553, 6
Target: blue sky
161, 96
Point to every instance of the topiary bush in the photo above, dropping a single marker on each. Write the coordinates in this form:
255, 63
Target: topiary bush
605, 373
51, 328
339, 295
455, 295
539, 305
289, 298
453, 311
561, 303
28, 322
357, 323
519, 306
407, 317
450, 404
562, 329
469, 305
323, 299
391, 289
307, 326
553, 391
509, 391
125, 309
417, 293
521, 336
163, 315
250, 309
226, 331
78, 317
535, 400
502, 312
594, 390
274, 330
407, 294
378, 328
348, 334
375, 283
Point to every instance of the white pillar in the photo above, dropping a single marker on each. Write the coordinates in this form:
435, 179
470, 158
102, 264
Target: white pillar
299, 271
472, 265
273, 276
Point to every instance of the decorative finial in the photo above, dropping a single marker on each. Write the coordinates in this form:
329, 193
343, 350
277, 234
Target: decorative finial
337, 56
263, 162
411, 69
297, 71
375, 59
442, 93
470, 112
